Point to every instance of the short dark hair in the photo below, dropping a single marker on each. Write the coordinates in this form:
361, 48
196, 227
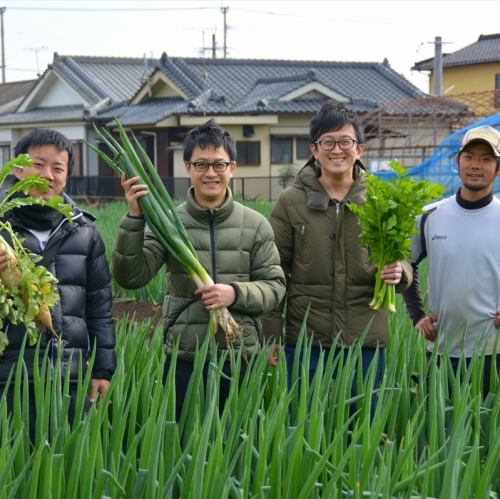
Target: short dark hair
210, 134
334, 116
43, 137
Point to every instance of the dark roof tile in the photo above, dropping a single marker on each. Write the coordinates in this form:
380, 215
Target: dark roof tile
45, 114
12, 93
485, 49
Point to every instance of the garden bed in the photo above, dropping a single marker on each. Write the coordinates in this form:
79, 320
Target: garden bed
140, 311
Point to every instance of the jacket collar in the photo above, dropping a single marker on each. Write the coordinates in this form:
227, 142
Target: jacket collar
317, 198
206, 214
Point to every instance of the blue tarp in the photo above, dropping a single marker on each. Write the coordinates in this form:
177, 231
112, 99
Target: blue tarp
441, 167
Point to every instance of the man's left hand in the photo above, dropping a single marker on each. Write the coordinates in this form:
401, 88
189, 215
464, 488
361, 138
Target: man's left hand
497, 321
392, 273
98, 387
216, 296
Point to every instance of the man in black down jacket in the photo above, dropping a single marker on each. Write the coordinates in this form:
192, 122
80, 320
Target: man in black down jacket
83, 316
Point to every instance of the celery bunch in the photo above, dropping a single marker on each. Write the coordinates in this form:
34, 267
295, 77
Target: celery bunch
130, 159
387, 221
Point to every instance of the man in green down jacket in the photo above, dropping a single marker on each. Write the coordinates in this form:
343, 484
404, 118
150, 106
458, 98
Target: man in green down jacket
235, 245
326, 267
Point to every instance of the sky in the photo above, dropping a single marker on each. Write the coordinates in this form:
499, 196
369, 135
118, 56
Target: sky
403, 31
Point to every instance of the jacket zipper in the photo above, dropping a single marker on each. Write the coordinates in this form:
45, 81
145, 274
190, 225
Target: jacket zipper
337, 207
211, 224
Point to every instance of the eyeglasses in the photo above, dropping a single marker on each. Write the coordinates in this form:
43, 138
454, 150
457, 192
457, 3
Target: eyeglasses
329, 144
203, 166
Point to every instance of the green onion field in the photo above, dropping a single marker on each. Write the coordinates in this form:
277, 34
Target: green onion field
432, 434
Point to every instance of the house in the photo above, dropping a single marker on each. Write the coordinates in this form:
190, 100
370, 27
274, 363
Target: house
471, 74
11, 95
265, 104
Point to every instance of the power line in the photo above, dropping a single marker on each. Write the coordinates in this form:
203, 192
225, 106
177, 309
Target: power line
112, 9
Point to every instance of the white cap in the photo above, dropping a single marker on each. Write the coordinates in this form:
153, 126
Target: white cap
485, 133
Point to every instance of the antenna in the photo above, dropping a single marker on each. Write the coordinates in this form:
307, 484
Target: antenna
212, 47
36, 50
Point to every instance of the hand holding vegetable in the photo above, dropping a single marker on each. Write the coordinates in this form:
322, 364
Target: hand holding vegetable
392, 273
217, 296
133, 192
3, 259
387, 221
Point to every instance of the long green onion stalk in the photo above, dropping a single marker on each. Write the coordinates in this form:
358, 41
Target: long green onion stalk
130, 159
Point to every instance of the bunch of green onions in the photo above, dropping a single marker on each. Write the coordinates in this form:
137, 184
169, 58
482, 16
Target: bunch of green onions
130, 159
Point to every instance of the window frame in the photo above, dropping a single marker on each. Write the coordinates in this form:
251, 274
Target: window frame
247, 144
283, 138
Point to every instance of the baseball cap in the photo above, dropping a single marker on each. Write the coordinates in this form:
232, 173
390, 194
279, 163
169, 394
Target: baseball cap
485, 133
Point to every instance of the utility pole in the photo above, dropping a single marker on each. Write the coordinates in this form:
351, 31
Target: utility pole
438, 66
2, 10
224, 12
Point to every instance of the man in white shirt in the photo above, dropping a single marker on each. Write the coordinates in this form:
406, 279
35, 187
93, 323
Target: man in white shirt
460, 236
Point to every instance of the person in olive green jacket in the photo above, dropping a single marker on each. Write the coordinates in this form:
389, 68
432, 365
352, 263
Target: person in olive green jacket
326, 267
235, 245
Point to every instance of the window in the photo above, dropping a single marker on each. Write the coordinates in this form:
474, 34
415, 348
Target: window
248, 153
302, 150
77, 156
4, 153
497, 90
281, 150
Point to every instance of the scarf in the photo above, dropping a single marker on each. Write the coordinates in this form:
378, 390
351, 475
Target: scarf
38, 217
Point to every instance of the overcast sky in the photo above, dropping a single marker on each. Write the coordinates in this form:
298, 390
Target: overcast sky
402, 31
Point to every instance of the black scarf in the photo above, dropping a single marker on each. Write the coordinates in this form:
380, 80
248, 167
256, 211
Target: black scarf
38, 217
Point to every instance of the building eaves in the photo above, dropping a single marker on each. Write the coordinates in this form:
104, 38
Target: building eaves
435, 106
310, 105
44, 115
485, 50
146, 113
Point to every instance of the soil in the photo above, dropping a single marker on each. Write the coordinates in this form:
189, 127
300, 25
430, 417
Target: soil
139, 311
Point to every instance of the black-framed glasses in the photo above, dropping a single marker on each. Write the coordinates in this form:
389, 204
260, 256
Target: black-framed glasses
203, 166
329, 144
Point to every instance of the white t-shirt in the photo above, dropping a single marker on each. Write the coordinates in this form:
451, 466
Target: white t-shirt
42, 236
463, 251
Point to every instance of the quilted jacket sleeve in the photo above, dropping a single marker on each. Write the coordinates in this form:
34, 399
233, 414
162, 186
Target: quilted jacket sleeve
137, 256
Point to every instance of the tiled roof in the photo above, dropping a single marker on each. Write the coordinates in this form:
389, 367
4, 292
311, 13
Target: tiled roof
96, 78
437, 106
485, 49
45, 114
181, 75
146, 113
12, 93
246, 80
220, 86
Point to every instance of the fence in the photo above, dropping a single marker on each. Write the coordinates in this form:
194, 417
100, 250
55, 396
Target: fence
267, 188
